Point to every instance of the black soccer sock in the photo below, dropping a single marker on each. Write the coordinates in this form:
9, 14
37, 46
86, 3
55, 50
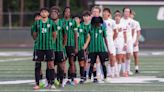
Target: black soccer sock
48, 76
85, 75
37, 72
94, 74
52, 75
69, 74
90, 71
104, 70
82, 72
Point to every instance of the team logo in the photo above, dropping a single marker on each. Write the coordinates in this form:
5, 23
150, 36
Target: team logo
109, 24
100, 31
77, 34
129, 23
44, 30
70, 23
75, 29
48, 25
38, 26
58, 27
81, 30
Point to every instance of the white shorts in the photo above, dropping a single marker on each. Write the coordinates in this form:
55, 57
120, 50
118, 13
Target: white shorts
119, 45
111, 46
136, 48
129, 47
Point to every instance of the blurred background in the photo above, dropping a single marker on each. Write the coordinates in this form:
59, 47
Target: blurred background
16, 17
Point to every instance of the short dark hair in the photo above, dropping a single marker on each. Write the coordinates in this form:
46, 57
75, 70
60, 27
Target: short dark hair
117, 11
107, 9
86, 13
96, 7
55, 8
46, 9
127, 8
36, 14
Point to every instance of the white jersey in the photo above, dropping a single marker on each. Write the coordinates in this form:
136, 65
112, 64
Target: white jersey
128, 26
110, 26
120, 32
136, 29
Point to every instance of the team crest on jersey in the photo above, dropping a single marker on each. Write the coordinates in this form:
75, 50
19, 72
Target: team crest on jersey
81, 30
48, 25
70, 23
75, 29
38, 26
44, 30
100, 31
58, 27
129, 23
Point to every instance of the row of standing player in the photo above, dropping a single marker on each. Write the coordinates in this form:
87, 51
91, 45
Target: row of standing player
112, 42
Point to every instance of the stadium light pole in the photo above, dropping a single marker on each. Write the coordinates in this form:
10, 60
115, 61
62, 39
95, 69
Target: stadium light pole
1, 13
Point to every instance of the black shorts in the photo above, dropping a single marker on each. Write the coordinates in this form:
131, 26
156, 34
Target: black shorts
80, 55
43, 55
102, 55
70, 51
59, 56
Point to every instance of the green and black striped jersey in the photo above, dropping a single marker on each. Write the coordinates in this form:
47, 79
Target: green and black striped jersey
44, 40
60, 32
69, 26
97, 42
87, 28
81, 35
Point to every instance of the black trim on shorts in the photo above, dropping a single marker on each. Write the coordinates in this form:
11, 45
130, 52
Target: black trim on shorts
43, 55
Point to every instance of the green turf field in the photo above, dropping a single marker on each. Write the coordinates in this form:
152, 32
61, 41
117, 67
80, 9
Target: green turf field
17, 74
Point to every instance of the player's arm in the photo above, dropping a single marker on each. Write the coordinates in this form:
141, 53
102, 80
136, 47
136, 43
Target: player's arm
125, 39
54, 31
87, 41
34, 31
115, 34
138, 34
75, 37
64, 37
105, 39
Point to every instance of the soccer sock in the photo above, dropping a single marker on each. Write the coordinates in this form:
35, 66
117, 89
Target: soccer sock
82, 72
85, 74
136, 67
90, 71
119, 68
123, 67
116, 68
48, 75
112, 71
52, 75
109, 70
64, 75
94, 74
128, 65
37, 72
69, 74
104, 70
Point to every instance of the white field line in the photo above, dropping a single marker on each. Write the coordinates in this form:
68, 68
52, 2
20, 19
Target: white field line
15, 59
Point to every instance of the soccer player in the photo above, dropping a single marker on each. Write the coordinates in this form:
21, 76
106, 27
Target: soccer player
59, 44
129, 27
111, 35
120, 43
98, 46
44, 36
71, 46
95, 12
83, 41
136, 35
87, 27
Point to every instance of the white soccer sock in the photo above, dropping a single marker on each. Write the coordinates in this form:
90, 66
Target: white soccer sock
116, 68
108, 70
128, 65
119, 68
112, 71
136, 67
123, 67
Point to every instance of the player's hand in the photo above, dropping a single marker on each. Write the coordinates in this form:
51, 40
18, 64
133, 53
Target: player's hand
125, 48
85, 46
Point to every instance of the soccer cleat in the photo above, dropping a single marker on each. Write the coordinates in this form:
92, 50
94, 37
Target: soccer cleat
136, 71
49, 86
124, 74
88, 81
95, 81
74, 83
36, 87
130, 73
63, 83
56, 83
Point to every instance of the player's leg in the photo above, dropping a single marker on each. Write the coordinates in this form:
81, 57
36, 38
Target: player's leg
92, 58
103, 57
136, 59
81, 59
38, 57
50, 67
